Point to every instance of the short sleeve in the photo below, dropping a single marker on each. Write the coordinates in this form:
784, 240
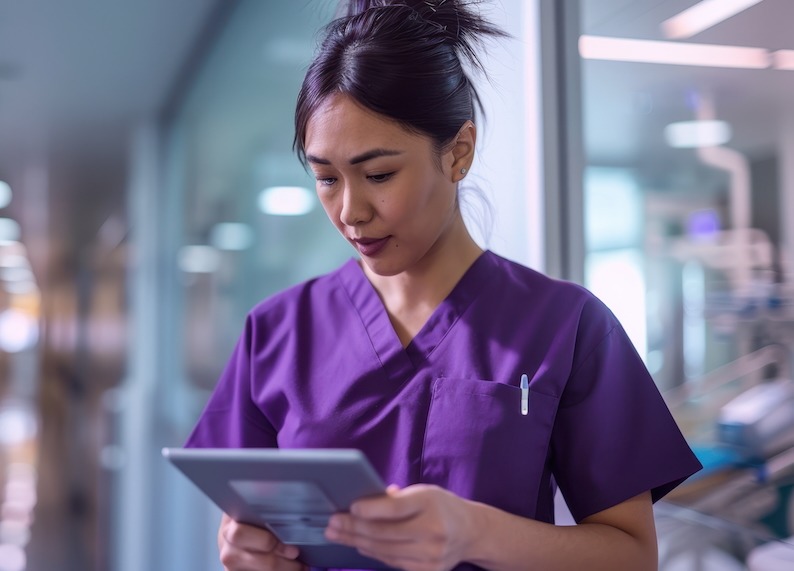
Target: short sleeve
614, 437
231, 418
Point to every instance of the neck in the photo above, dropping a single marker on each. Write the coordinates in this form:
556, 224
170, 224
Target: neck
431, 280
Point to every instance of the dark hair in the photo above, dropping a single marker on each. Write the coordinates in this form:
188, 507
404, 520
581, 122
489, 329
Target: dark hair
401, 59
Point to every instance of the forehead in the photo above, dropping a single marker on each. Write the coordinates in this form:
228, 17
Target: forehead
341, 125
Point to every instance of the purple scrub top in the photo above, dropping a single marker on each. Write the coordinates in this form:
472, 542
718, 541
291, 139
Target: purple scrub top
320, 366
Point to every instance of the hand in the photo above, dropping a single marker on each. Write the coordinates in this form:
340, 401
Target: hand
419, 528
248, 548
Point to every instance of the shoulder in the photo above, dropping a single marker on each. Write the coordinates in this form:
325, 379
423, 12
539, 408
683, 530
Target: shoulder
550, 297
310, 299
521, 277
564, 317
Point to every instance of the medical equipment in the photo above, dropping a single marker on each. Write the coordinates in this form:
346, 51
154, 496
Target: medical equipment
745, 439
759, 422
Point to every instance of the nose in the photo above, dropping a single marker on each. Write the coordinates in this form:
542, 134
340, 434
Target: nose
356, 208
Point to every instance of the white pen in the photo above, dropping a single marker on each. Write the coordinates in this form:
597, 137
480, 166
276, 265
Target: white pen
524, 394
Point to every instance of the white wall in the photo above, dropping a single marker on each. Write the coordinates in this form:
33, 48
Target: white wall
508, 168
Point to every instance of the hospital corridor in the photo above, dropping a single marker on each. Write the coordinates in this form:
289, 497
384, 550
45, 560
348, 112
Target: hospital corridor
151, 196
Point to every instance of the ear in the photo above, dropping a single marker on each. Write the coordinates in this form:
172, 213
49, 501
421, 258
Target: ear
461, 151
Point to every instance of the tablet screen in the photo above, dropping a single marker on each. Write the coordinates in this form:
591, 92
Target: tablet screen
284, 496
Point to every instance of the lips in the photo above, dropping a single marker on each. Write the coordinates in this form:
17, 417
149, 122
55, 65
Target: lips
370, 246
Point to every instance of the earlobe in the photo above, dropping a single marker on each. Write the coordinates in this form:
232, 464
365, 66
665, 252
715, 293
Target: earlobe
463, 151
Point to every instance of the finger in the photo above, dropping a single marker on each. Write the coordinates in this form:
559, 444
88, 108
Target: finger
287, 551
236, 559
396, 505
346, 529
391, 491
249, 537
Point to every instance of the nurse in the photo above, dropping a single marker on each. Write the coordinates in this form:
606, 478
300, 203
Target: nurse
414, 351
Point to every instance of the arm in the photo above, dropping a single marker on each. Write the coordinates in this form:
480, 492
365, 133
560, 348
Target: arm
621, 537
425, 528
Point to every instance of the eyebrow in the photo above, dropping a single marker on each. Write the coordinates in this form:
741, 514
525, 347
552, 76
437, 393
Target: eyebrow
363, 157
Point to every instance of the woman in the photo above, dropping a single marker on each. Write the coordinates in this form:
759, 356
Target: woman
415, 352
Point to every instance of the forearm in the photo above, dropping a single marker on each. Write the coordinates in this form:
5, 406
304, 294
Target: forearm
505, 542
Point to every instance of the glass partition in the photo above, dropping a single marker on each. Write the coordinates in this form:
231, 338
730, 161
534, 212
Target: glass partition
687, 192
251, 223
683, 188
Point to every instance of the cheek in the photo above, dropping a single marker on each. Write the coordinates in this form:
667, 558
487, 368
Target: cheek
326, 203
437, 200
333, 211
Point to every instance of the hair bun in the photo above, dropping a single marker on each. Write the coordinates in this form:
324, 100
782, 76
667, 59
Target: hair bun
458, 22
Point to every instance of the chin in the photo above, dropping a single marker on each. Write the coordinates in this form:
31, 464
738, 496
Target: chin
382, 267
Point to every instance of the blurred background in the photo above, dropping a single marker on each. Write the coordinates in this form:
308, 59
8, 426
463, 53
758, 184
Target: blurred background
149, 198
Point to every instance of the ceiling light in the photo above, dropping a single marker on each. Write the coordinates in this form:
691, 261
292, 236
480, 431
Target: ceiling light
18, 331
18, 274
199, 259
18, 423
14, 533
20, 287
13, 261
232, 236
783, 59
689, 134
22, 493
286, 200
672, 53
702, 16
5, 194
20, 471
9, 230
13, 557
12, 249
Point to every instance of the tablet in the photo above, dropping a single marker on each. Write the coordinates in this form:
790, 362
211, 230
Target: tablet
292, 493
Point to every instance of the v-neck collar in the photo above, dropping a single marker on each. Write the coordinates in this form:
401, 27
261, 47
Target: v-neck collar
401, 361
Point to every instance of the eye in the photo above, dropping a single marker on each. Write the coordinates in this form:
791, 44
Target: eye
380, 177
326, 181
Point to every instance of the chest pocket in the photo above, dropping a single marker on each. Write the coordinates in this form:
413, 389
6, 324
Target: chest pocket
480, 446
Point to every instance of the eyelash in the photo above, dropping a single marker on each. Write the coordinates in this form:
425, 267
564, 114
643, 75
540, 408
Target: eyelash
380, 178
376, 178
